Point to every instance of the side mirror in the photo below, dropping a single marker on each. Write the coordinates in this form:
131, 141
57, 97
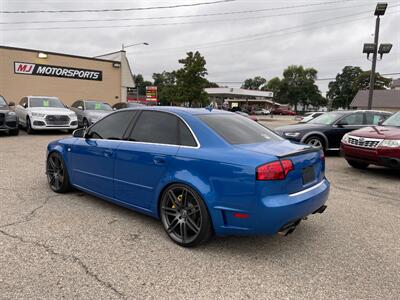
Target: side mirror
114, 108
25, 105
79, 133
80, 107
381, 122
66, 106
11, 104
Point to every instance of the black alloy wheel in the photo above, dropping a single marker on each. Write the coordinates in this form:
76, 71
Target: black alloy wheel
316, 142
184, 216
57, 175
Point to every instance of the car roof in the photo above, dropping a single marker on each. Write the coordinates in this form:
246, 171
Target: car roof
184, 110
359, 110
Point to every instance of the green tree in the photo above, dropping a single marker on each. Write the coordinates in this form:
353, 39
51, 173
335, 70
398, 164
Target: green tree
253, 83
347, 83
342, 91
141, 84
362, 81
274, 85
191, 81
298, 87
166, 87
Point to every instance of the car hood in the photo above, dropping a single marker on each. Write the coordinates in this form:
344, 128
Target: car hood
51, 110
98, 113
378, 132
277, 148
4, 108
299, 127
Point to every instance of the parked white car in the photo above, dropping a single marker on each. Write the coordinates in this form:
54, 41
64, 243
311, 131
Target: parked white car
310, 116
44, 113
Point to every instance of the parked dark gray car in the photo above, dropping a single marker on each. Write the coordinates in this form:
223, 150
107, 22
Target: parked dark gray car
90, 111
8, 118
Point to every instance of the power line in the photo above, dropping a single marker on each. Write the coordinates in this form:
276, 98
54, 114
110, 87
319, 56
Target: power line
161, 24
174, 24
318, 79
189, 16
114, 9
283, 31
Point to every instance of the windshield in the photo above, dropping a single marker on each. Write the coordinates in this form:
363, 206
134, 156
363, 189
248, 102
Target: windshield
327, 119
393, 120
239, 130
2, 101
45, 102
97, 105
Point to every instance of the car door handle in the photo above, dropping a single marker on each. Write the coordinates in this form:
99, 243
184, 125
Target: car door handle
159, 160
108, 153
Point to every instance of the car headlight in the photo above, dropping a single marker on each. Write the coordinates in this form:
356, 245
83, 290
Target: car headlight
391, 143
345, 139
40, 115
292, 134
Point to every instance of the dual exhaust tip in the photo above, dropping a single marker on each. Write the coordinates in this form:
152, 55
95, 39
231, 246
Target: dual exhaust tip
291, 227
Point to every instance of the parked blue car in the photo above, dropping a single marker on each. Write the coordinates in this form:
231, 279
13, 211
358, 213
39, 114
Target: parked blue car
200, 172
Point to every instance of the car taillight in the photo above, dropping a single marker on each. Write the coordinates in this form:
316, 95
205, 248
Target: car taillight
276, 170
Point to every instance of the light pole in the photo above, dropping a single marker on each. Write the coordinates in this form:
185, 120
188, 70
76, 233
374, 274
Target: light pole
372, 48
132, 45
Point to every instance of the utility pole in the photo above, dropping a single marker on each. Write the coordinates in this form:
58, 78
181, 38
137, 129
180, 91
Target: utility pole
372, 48
373, 68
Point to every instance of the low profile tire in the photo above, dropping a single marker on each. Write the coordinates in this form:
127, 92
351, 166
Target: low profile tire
315, 141
14, 131
184, 216
357, 165
85, 123
57, 175
29, 129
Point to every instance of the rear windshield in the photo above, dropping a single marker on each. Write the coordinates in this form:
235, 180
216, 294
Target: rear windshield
236, 129
393, 120
45, 102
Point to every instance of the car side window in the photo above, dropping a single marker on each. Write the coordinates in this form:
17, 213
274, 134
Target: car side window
156, 127
353, 119
75, 104
375, 118
112, 127
185, 136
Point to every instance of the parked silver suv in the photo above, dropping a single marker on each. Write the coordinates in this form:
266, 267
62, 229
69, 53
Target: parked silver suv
90, 111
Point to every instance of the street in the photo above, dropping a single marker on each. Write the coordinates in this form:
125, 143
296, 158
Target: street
78, 246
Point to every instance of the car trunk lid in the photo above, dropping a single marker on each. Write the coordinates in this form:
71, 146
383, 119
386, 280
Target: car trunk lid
308, 166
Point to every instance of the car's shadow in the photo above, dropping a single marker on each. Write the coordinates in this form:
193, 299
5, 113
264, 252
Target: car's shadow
304, 236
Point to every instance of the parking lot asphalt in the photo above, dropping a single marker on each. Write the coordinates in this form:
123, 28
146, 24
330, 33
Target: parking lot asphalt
78, 246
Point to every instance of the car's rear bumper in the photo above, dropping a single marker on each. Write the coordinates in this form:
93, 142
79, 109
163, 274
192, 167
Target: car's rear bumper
274, 212
380, 156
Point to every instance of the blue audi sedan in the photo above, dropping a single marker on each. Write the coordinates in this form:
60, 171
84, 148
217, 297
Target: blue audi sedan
200, 172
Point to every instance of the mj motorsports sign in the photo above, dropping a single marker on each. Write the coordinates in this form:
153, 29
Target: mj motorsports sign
56, 71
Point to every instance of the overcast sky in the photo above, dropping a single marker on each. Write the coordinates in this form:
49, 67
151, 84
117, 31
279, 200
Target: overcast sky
236, 46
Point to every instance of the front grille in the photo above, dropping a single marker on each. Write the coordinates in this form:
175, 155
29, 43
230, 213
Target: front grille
2, 118
364, 142
57, 120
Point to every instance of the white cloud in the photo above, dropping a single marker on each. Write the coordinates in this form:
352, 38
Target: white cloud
326, 48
